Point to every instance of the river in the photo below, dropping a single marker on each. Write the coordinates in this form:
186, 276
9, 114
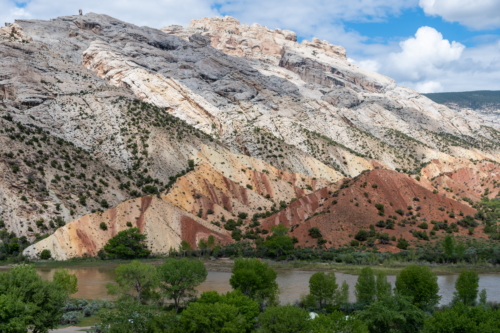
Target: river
292, 283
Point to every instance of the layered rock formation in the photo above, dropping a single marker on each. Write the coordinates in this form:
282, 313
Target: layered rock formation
265, 119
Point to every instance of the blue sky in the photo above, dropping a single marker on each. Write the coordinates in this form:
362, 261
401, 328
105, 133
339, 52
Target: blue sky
428, 45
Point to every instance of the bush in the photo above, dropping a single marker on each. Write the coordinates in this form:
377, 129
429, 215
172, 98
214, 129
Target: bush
362, 235
45, 255
354, 243
423, 225
103, 226
243, 215
402, 244
315, 232
70, 318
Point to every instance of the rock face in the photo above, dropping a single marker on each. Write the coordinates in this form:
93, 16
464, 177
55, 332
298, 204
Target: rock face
217, 117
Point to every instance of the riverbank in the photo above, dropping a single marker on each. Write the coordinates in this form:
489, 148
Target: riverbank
225, 265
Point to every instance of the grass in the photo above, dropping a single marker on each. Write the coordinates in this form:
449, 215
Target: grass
389, 267
88, 321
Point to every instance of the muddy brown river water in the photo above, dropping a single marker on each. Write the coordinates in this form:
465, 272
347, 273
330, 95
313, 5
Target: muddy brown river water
292, 283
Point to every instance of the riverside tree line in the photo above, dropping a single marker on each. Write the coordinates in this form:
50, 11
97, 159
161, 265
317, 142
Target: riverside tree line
163, 299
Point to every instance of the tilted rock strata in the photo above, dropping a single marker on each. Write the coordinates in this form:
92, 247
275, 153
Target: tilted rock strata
165, 225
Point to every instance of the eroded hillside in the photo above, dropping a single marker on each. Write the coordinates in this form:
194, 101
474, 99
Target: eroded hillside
217, 123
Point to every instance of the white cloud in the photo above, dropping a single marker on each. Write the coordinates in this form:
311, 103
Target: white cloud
429, 63
152, 13
371, 65
428, 87
424, 54
477, 14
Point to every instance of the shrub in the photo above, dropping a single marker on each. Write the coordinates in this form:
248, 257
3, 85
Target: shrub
103, 226
315, 232
423, 225
70, 318
354, 243
243, 215
45, 254
402, 244
362, 235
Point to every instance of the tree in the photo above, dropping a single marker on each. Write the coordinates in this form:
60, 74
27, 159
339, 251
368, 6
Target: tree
179, 277
255, 279
449, 246
129, 316
365, 289
419, 283
463, 319
29, 303
284, 319
127, 244
467, 287
279, 243
342, 295
68, 281
338, 322
45, 254
248, 309
384, 288
184, 247
135, 280
393, 314
323, 287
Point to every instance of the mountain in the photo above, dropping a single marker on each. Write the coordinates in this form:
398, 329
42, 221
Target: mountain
486, 103
476, 100
179, 130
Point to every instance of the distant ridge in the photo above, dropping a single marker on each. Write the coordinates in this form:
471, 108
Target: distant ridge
476, 100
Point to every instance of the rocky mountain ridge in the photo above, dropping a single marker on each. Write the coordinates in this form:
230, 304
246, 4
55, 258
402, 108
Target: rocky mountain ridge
217, 117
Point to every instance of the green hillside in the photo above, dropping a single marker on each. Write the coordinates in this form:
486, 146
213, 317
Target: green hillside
468, 99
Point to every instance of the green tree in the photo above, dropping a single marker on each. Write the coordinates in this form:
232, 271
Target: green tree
29, 303
127, 244
185, 247
365, 289
212, 318
255, 279
129, 316
284, 319
338, 322
179, 277
323, 288
279, 244
449, 246
419, 283
68, 281
467, 287
342, 295
135, 280
384, 288
463, 319
248, 309
45, 254
395, 314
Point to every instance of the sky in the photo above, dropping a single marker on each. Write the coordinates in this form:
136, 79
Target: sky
427, 45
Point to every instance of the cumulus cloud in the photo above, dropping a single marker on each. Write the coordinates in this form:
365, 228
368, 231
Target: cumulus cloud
477, 14
427, 62
427, 52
